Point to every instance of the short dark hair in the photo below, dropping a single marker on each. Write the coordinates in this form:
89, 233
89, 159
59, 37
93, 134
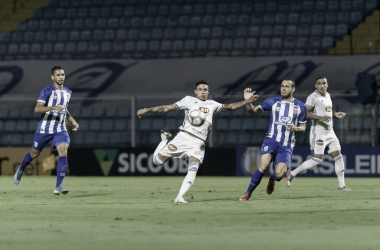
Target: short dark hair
55, 68
320, 77
293, 82
200, 82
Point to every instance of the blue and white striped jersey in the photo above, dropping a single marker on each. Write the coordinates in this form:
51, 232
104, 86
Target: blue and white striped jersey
53, 122
282, 114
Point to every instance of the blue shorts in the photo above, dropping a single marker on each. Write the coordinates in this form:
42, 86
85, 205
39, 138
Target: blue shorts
40, 140
279, 152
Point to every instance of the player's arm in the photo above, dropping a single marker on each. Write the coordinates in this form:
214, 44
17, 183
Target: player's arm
73, 121
311, 116
41, 108
339, 115
301, 128
158, 109
249, 97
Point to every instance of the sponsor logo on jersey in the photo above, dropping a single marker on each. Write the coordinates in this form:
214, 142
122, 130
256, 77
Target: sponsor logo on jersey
285, 119
35, 144
172, 147
320, 142
329, 109
204, 110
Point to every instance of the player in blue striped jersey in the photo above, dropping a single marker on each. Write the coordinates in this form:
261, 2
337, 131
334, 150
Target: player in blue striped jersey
52, 104
286, 113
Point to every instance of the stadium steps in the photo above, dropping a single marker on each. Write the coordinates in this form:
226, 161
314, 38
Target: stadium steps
24, 10
365, 38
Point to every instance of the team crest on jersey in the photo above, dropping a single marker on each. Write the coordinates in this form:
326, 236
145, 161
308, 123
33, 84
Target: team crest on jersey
328, 109
35, 144
172, 147
265, 148
204, 110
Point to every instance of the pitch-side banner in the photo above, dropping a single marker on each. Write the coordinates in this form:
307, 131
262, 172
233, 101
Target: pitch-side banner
359, 162
138, 162
226, 75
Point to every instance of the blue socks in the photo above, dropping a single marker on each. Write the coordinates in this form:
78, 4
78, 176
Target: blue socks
27, 160
61, 169
255, 181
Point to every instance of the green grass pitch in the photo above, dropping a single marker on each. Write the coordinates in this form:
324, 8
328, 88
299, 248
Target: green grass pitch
138, 213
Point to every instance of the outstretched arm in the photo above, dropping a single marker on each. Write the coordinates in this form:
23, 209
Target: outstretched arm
339, 115
249, 97
252, 110
158, 109
311, 116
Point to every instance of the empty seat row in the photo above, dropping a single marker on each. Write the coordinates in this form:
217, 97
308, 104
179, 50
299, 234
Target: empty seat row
193, 8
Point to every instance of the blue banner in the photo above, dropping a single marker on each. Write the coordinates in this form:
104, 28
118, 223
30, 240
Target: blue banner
359, 162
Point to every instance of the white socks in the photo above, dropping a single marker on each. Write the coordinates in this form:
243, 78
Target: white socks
306, 165
189, 179
339, 170
156, 159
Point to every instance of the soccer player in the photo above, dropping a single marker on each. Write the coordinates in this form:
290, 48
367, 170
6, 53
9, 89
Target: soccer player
190, 140
285, 114
319, 105
52, 105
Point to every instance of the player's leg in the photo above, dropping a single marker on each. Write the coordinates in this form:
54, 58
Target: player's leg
39, 142
192, 170
195, 150
159, 159
266, 159
317, 147
61, 141
334, 152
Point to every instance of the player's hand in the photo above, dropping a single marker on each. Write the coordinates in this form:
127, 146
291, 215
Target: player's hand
141, 112
59, 108
291, 127
340, 115
249, 95
325, 118
76, 125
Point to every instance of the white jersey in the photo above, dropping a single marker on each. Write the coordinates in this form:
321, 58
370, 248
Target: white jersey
209, 107
322, 106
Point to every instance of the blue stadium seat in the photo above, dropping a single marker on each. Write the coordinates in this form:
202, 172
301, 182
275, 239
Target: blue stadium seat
141, 46
60, 13
280, 18
318, 17
283, 7
164, 10
295, 6
63, 35
208, 21
333, 5
315, 42
356, 17
24, 48
202, 45
316, 30
308, 6
180, 33
116, 11
3, 48
306, 18
239, 44
95, 124
59, 48
276, 42
289, 43
189, 45
291, 30
184, 21
71, 13
28, 36
327, 41
17, 36
47, 48
35, 48
154, 46
105, 46
345, 5
52, 36
74, 35
90, 23
82, 47
161, 21
303, 30
129, 46
136, 22
94, 47
107, 124
268, 18
244, 19
214, 45
145, 34
217, 32
169, 33
358, 4
220, 20
343, 17
278, 30
256, 19
78, 24
329, 30
331, 17
204, 32
341, 29
94, 12
254, 31
32, 24
121, 34
199, 9
241, 31
86, 35
226, 44
102, 138
266, 30
196, 21
229, 32
71, 47
101, 23
118, 46
251, 43
105, 12
259, 7
97, 35
124, 22
301, 42
264, 42
320, 5
109, 35
83, 13
293, 18
166, 45
247, 7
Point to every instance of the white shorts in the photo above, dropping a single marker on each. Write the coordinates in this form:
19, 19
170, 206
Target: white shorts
184, 144
320, 138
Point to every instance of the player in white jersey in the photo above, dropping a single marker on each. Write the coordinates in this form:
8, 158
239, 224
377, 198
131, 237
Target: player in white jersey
52, 104
285, 113
322, 136
190, 140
